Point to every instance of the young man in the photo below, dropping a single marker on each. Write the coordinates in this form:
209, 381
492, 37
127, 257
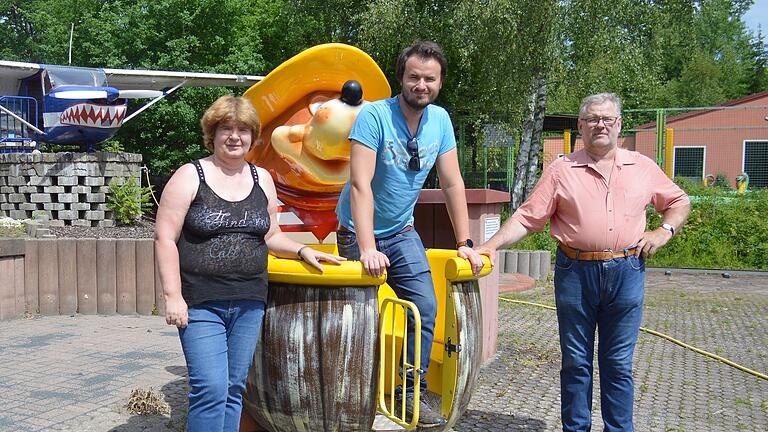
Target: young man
596, 199
395, 143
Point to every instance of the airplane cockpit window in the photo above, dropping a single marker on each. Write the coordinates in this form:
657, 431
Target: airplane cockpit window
59, 76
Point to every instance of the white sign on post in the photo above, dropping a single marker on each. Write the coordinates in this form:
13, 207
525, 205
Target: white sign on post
491, 226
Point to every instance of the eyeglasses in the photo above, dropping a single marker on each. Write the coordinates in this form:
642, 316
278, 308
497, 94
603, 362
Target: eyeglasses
412, 146
607, 121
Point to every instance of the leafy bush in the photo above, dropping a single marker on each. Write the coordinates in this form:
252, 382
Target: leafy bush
724, 230
128, 200
538, 241
112, 146
12, 228
721, 181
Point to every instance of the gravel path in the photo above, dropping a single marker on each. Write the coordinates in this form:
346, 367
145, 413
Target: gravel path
142, 229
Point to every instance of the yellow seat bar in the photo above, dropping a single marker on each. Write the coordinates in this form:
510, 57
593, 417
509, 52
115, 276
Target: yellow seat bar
389, 307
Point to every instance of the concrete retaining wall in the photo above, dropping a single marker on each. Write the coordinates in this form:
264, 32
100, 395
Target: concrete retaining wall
85, 276
70, 188
536, 264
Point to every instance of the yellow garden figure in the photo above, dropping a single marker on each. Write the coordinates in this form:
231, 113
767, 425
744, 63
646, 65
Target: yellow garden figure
742, 182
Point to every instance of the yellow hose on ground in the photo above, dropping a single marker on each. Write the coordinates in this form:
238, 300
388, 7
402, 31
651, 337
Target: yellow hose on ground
663, 336
149, 184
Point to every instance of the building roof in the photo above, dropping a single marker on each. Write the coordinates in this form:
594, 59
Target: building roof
559, 122
744, 100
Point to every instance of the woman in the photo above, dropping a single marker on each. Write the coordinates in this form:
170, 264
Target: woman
216, 221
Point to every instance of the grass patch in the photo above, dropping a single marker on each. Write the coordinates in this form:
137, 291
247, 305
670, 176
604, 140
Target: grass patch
147, 402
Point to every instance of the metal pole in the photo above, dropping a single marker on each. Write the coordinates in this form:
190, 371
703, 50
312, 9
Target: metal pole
660, 116
485, 166
153, 101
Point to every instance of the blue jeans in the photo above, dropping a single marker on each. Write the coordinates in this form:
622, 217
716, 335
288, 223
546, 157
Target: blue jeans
608, 296
410, 277
218, 345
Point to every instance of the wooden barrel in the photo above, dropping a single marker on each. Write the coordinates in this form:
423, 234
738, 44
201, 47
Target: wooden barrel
315, 368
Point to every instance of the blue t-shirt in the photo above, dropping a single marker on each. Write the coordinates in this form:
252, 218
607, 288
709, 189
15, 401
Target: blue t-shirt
381, 126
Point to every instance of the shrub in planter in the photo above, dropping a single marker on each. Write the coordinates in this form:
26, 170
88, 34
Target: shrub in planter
128, 200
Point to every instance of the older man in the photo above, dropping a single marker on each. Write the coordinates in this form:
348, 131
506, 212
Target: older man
596, 200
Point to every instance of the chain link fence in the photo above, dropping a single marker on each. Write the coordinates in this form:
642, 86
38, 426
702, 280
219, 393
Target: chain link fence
486, 153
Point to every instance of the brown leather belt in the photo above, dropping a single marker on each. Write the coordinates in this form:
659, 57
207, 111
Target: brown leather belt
342, 228
581, 255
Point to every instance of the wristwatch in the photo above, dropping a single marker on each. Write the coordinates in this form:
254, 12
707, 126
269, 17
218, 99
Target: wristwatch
669, 228
468, 243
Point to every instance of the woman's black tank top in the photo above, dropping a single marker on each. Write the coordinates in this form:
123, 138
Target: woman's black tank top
222, 253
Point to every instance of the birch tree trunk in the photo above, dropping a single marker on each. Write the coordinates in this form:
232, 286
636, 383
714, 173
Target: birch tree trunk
540, 108
523, 154
526, 165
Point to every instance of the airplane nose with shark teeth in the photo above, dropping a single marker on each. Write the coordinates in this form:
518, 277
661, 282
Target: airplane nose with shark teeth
93, 115
68, 105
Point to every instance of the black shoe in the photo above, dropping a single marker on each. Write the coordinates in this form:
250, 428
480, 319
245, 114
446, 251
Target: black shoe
428, 417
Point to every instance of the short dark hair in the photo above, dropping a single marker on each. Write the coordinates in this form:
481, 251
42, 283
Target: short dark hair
425, 50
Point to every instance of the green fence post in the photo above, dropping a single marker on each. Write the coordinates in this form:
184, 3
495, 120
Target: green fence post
660, 125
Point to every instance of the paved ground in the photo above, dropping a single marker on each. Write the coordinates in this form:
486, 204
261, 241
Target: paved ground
76, 373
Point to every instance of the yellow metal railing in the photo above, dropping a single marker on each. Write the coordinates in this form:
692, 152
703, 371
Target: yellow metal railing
392, 309
669, 152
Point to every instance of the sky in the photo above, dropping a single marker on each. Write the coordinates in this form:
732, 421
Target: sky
758, 13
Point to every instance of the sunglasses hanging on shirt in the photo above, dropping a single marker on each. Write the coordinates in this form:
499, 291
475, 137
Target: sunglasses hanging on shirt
412, 146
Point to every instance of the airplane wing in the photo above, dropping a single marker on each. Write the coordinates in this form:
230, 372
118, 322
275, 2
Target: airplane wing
12, 72
129, 79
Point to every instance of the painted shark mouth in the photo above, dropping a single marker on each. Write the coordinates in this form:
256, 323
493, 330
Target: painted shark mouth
93, 115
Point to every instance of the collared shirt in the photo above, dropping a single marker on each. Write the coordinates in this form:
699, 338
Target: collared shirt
591, 214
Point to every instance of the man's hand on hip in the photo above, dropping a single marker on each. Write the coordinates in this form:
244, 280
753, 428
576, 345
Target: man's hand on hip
374, 262
474, 258
651, 241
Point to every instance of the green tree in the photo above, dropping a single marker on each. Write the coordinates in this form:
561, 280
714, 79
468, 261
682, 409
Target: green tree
509, 60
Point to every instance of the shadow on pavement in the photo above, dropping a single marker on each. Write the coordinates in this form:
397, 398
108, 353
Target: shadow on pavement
474, 420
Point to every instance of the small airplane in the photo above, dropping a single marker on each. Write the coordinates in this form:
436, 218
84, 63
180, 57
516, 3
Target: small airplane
85, 106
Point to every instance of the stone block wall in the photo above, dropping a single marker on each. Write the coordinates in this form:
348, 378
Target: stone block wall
534, 263
70, 188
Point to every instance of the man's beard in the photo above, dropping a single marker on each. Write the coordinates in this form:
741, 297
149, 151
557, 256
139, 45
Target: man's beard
415, 104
